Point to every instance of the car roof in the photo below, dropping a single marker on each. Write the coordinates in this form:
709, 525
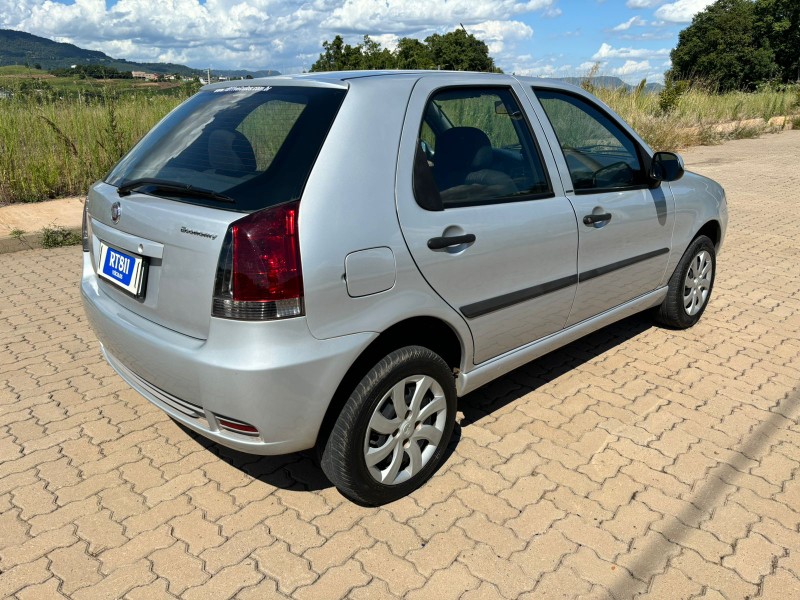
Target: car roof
341, 78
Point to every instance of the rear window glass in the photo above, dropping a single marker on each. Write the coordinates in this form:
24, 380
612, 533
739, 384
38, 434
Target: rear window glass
243, 147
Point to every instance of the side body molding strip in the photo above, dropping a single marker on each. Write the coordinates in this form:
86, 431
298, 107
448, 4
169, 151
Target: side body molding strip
483, 307
586, 275
478, 309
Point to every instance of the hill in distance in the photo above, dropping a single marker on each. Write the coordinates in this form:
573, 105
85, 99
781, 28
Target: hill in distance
612, 83
21, 48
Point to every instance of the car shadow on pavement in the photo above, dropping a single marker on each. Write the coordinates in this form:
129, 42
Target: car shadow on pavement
301, 471
542, 371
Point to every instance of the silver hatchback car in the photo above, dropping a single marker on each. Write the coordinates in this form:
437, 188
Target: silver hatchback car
330, 260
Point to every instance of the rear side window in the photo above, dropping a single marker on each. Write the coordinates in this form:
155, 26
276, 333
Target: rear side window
475, 147
599, 154
250, 146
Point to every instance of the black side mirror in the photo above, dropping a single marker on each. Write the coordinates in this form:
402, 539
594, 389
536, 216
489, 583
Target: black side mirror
666, 166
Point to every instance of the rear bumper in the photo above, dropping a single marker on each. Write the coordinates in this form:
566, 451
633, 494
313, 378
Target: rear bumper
273, 375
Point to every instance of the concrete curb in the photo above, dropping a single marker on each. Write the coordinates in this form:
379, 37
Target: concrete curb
27, 241
32, 218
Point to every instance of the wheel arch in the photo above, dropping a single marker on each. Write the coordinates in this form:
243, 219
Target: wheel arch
430, 332
712, 230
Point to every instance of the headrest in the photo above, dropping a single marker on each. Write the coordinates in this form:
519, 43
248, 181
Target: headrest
464, 149
230, 151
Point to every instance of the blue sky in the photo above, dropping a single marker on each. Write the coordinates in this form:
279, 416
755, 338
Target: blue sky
629, 38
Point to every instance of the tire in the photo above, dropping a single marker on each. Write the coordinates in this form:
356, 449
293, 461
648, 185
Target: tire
370, 454
690, 286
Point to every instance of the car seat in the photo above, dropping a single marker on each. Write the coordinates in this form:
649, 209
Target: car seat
230, 152
464, 157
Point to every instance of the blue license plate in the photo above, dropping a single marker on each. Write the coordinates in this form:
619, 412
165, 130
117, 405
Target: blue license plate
125, 270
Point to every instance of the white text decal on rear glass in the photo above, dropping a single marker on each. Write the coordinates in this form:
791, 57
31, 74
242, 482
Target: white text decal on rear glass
244, 88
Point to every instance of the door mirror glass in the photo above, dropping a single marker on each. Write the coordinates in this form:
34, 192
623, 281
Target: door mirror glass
666, 166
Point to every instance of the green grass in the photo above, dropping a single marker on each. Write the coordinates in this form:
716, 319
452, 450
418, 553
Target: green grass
59, 135
20, 70
58, 149
56, 236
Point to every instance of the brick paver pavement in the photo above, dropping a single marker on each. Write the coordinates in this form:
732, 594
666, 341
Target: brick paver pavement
635, 461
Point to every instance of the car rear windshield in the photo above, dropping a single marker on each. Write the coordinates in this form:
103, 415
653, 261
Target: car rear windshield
240, 148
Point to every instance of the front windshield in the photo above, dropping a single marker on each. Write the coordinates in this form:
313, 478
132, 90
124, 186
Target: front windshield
253, 144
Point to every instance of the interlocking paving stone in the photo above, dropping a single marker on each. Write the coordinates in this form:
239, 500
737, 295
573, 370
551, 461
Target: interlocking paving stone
637, 461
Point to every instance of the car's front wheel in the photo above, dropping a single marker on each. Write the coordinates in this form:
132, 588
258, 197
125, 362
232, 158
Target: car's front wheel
690, 286
392, 433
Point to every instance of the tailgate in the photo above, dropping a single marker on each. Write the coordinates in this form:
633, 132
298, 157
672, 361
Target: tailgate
180, 244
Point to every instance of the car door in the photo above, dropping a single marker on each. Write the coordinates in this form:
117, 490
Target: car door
488, 227
625, 225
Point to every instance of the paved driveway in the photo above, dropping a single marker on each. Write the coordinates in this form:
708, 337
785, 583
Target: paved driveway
637, 460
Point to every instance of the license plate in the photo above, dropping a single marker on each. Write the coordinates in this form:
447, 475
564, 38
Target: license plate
125, 270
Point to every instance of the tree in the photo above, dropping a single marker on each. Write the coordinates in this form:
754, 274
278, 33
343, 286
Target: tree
413, 54
778, 22
337, 56
737, 44
456, 50
460, 51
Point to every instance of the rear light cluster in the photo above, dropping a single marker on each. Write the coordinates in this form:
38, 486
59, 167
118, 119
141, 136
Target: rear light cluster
258, 274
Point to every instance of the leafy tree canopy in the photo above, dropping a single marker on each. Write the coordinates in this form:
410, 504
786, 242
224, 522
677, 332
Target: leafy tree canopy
738, 44
457, 50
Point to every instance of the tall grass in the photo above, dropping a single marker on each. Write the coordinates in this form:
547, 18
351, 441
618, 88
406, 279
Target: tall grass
698, 116
55, 144
58, 148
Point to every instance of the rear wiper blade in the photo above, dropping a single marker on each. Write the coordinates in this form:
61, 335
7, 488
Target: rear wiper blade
172, 187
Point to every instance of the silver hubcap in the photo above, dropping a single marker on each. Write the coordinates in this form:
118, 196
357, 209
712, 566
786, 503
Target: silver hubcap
405, 429
698, 283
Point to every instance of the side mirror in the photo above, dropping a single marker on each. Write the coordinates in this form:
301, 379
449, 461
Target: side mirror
501, 109
666, 166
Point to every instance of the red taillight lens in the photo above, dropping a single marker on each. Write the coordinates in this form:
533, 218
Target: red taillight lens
258, 275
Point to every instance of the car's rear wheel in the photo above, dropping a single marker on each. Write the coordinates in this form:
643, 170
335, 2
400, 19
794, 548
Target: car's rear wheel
392, 433
690, 286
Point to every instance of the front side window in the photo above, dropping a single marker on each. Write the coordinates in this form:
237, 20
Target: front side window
599, 155
241, 148
475, 147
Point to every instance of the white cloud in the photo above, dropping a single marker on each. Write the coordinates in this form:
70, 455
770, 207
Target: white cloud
387, 40
642, 3
635, 21
631, 67
281, 34
606, 51
681, 11
287, 34
497, 33
410, 15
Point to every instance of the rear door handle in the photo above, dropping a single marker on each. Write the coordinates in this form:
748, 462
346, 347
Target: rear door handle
592, 219
439, 243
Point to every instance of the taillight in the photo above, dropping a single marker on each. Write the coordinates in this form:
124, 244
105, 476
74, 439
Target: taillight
258, 274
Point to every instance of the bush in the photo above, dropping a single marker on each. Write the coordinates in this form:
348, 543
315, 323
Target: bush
56, 236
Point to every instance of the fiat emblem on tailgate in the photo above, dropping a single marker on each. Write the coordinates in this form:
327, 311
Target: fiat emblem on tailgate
116, 211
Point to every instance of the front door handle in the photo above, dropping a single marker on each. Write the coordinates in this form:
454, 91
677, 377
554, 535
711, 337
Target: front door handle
592, 219
439, 243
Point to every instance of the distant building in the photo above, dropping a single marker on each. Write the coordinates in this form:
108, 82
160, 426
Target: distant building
143, 75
